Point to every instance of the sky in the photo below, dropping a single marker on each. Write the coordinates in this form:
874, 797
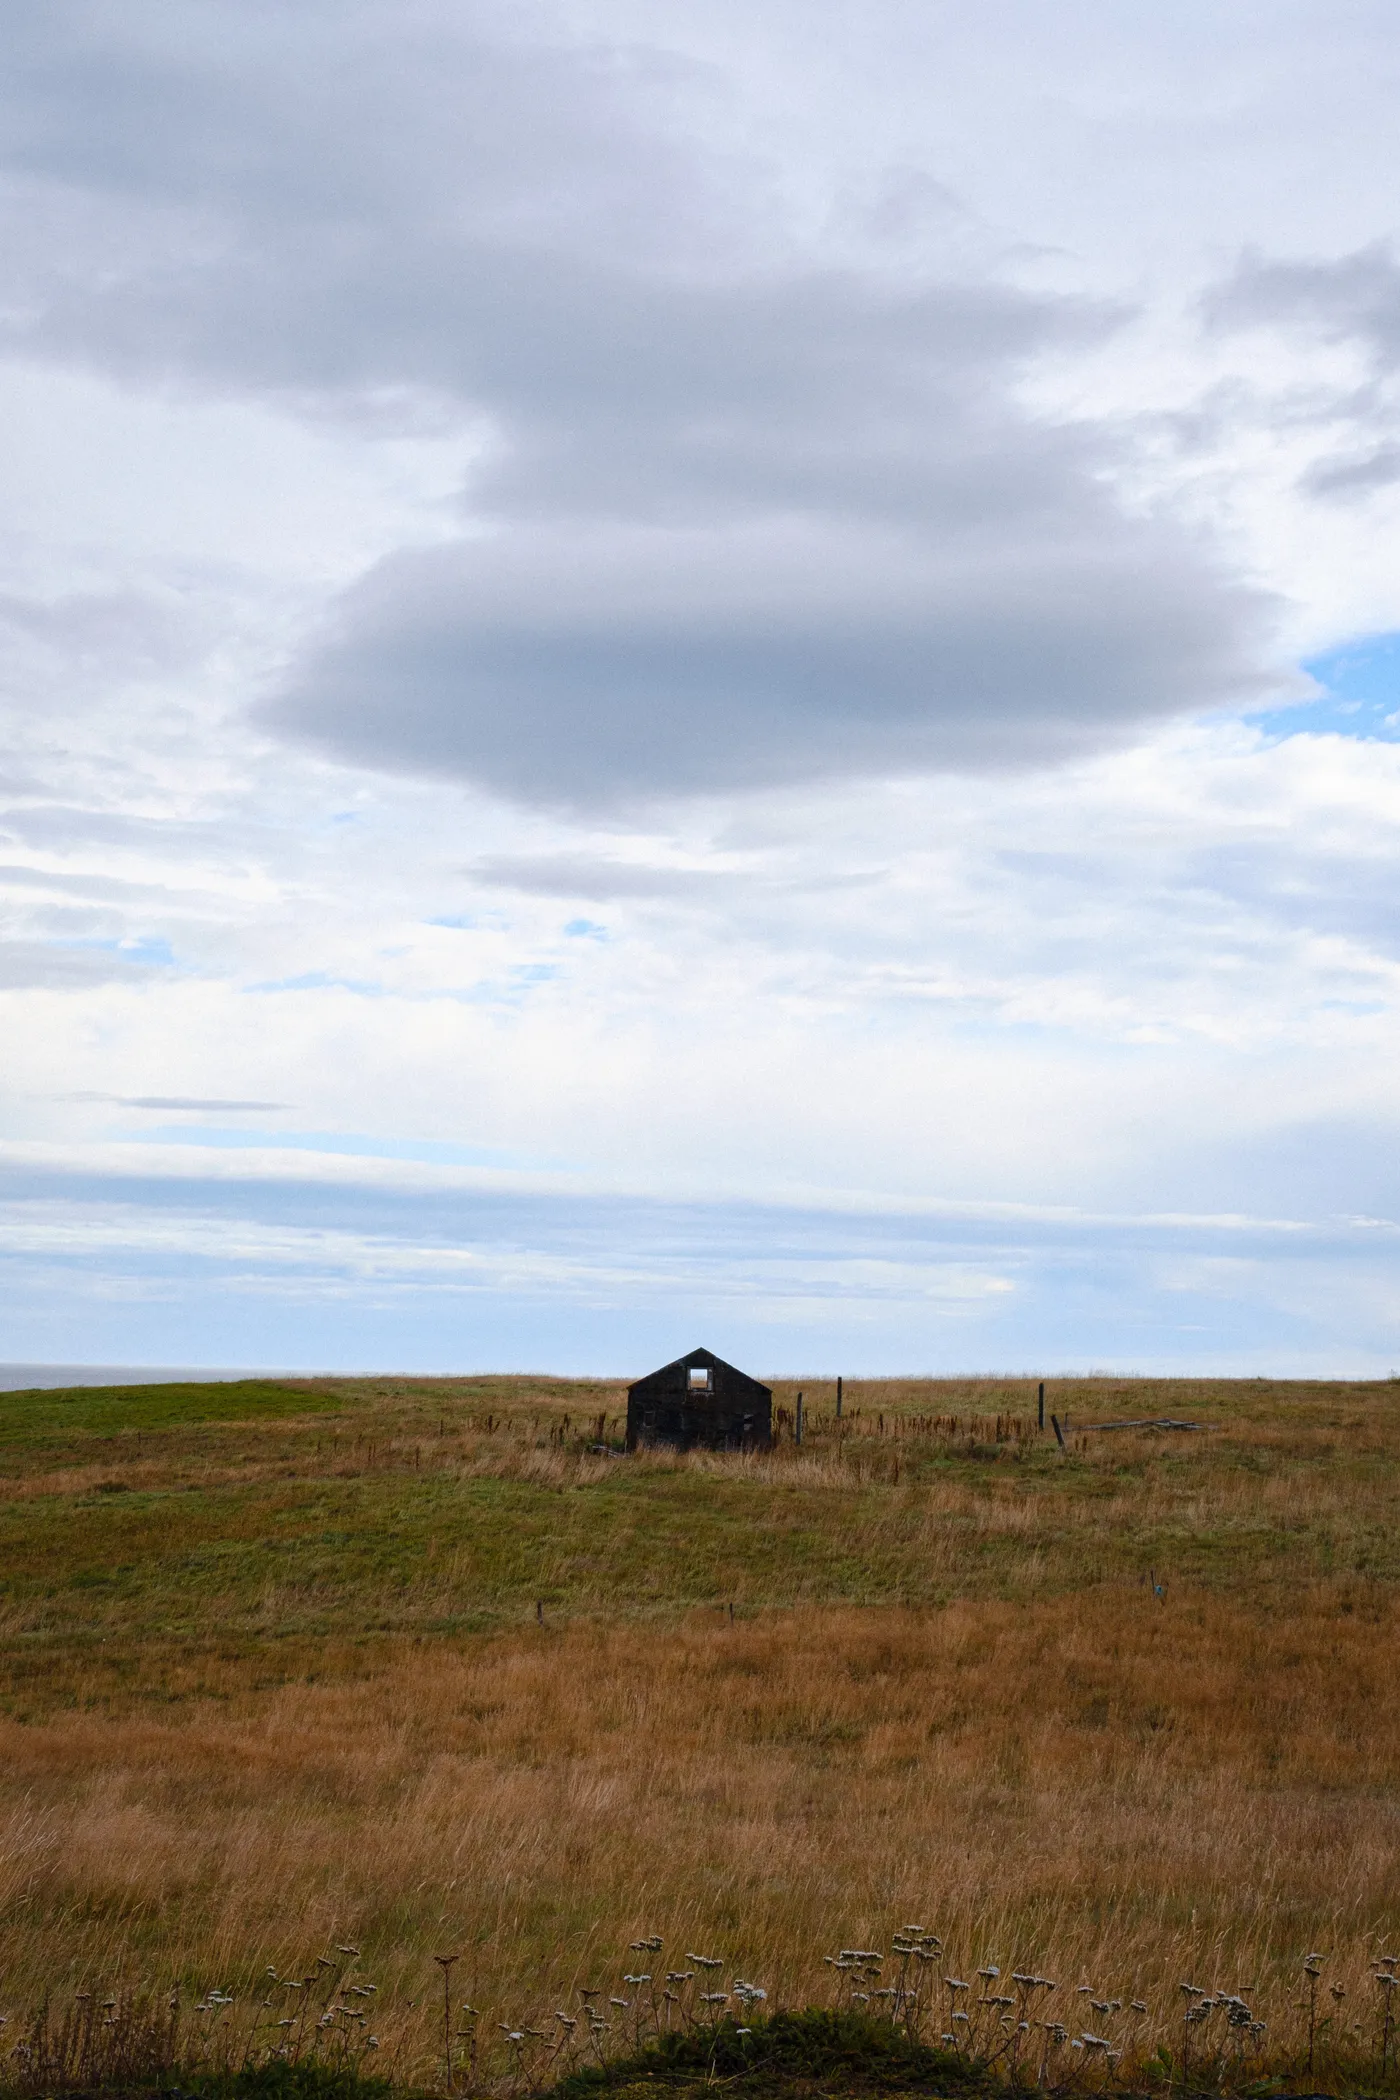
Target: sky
690, 674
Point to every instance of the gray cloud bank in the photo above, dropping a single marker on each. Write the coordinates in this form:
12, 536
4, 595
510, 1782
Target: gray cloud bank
1348, 299
182, 1102
55, 966
1352, 297
742, 517
581, 665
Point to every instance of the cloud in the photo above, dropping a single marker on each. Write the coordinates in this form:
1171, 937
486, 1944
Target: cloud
58, 966
604, 879
349, 1263
595, 875
185, 206
78, 646
1347, 478
741, 517
707, 454
593, 667
1353, 297
184, 1102
1338, 321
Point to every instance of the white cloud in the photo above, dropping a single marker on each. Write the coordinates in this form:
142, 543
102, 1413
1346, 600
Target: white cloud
740, 517
787, 500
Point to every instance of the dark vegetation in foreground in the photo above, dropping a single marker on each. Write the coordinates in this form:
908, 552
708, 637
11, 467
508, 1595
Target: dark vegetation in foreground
783, 2056
920, 2030
791, 2052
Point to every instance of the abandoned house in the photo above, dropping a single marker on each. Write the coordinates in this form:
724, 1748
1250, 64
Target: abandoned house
700, 1401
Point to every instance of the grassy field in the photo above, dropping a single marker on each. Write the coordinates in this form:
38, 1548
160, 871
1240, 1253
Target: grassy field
411, 1666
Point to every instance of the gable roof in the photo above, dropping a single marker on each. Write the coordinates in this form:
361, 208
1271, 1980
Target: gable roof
703, 1360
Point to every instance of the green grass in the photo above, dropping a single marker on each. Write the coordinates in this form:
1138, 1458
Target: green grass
403, 1552
44, 1419
264, 1517
793, 2052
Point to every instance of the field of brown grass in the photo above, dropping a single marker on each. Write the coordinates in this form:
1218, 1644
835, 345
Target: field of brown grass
270, 1685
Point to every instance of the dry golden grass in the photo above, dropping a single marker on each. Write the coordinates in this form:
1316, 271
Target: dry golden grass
1112, 1789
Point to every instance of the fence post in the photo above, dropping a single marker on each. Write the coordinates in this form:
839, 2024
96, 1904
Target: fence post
838, 1399
797, 1425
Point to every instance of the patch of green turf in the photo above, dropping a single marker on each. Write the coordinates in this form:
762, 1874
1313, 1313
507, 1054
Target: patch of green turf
279, 2080
797, 2052
43, 1416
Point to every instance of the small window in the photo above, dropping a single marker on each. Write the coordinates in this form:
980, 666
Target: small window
699, 1379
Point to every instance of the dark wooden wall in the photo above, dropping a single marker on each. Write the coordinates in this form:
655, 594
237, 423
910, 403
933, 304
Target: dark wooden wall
735, 1413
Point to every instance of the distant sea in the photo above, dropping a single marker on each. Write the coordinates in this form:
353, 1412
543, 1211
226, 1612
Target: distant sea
17, 1378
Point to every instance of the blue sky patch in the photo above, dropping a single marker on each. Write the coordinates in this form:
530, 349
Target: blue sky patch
349, 1144
148, 948
1360, 696
320, 981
